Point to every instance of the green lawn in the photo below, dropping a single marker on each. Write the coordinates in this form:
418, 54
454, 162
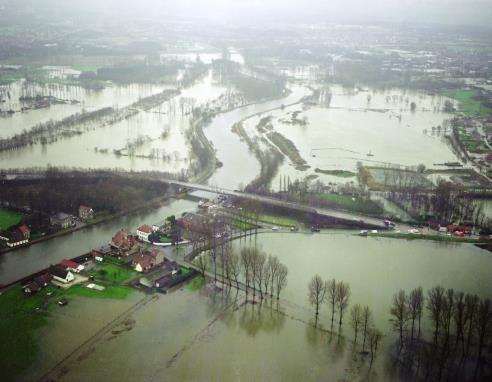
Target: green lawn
114, 292
9, 218
467, 104
196, 283
279, 220
19, 322
241, 225
113, 273
353, 204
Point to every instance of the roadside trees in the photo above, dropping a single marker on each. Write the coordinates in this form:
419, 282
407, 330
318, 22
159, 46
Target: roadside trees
201, 262
415, 306
281, 279
435, 305
343, 295
331, 289
399, 313
356, 319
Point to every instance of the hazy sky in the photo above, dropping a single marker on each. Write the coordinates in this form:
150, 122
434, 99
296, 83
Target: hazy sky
250, 11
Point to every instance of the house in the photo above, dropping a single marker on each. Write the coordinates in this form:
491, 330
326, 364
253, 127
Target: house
104, 250
32, 287
143, 232
16, 238
61, 274
62, 219
26, 232
43, 280
71, 265
124, 243
147, 260
86, 213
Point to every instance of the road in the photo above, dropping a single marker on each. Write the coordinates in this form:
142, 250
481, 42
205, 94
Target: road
341, 215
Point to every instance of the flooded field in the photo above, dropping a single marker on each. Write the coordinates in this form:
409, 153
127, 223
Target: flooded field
194, 335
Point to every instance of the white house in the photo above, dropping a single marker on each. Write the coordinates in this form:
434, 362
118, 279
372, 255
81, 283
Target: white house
72, 266
61, 274
143, 232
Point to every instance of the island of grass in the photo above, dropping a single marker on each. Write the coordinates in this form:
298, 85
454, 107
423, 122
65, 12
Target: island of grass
339, 173
278, 220
9, 218
289, 149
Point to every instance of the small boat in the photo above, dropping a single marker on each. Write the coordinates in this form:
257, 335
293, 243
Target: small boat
370, 154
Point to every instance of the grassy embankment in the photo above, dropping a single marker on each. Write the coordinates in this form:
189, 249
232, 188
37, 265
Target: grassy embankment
418, 236
467, 102
279, 220
9, 218
352, 204
289, 149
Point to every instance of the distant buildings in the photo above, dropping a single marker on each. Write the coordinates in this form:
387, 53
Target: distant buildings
143, 232
86, 213
15, 236
62, 220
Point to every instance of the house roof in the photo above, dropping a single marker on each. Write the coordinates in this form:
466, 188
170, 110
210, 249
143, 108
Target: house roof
59, 271
85, 208
24, 229
69, 264
145, 228
43, 279
15, 236
33, 286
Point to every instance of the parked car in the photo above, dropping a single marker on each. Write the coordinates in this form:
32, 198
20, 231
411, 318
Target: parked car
315, 229
274, 228
294, 228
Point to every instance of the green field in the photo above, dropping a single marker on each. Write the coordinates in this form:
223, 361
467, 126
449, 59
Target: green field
113, 273
467, 104
9, 218
19, 321
353, 204
114, 292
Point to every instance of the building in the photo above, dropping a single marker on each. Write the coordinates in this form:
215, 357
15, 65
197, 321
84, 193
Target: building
16, 238
62, 220
143, 232
104, 250
43, 280
32, 287
61, 274
26, 232
72, 266
124, 243
86, 213
147, 260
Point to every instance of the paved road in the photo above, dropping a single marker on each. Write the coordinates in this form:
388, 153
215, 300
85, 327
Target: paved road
345, 216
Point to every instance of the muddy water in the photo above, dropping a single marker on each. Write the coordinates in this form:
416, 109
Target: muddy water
200, 336
22, 262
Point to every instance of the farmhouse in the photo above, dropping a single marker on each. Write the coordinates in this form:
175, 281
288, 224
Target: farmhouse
86, 213
61, 274
143, 232
72, 266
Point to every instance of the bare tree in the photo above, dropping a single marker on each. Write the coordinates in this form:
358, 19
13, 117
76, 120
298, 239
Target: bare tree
459, 318
447, 312
201, 262
356, 319
267, 274
399, 313
235, 267
331, 289
366, 322
317, 292
435, 302
343, 295
246, 261
281, 279
259, 265
374, 336
274, 269
471, 306
483, 325
415, 307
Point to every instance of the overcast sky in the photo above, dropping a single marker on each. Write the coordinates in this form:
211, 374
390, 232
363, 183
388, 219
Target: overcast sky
250, 11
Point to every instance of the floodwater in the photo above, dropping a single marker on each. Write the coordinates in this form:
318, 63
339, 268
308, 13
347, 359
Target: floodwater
154, 152
204, 336
25, 261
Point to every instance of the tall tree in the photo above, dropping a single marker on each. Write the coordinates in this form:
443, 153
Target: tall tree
415, 305
483, 325
435, 304
331, 290
317, 292
399, 313
281, 279
343, 295
356, 319
201, 262
366, 322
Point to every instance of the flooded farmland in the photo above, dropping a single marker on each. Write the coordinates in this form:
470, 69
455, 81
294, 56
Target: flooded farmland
190, 335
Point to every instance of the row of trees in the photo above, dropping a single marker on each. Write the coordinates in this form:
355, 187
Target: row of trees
461, 327
259, 272
336, 294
